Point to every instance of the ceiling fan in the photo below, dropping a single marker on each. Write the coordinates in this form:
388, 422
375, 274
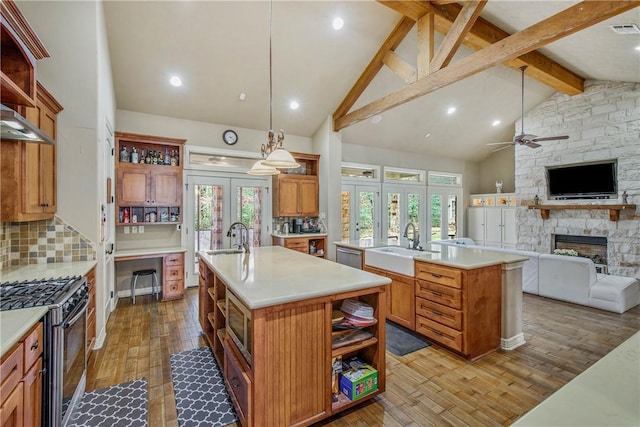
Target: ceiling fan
528, 140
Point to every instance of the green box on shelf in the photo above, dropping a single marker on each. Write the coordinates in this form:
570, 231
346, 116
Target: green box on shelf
359, 382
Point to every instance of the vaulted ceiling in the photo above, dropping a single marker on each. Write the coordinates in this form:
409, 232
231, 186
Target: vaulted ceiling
221, 49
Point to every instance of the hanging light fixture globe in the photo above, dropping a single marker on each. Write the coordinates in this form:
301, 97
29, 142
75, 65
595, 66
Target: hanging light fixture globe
273, 153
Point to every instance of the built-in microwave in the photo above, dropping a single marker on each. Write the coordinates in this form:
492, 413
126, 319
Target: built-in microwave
239, 325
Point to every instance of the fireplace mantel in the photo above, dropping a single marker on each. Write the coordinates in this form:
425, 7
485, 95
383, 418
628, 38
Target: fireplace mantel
614, 210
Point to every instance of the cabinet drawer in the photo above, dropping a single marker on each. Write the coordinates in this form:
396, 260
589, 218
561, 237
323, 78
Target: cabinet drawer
172, 289
439, 274
439, 333
439, 313
238, 383
174, 259
33, 345
435, 292
11, 370
174, 273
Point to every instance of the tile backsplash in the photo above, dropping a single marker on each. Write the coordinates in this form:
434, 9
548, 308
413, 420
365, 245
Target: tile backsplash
42, 242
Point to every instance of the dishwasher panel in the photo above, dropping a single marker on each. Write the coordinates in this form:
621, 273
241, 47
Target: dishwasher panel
350, 257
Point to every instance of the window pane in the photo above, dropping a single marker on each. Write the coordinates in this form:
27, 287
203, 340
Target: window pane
413, 213
436, 217
452, 214
208, 217
346, 215
249, 201
393, 212
367, 215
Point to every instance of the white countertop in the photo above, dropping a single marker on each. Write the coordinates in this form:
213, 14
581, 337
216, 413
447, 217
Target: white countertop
148, 251
15, 323
293, 235
606, 394
465, 258
273, 275
46, 271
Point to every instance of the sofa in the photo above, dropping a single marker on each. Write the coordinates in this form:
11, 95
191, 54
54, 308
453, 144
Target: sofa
568, 278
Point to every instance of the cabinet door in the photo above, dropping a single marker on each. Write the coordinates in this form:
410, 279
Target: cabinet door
12, 409
166, 187
402, 300
475, 225
133, 186
287, 197
33, 194
308, 197
509, 235
493, 227
33, 395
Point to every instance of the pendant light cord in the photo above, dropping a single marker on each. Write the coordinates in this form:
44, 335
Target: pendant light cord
270, 67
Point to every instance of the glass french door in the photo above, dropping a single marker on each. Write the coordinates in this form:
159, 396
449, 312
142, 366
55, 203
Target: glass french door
360, 210
444, 213
214, 204
404, 205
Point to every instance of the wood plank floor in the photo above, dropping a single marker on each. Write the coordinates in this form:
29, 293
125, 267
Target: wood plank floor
430, 387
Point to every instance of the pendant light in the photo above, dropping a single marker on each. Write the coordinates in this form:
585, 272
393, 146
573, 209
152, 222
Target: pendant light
273, 150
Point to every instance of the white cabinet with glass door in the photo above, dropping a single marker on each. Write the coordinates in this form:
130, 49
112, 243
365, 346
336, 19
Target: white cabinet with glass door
214, 203
403, 204
360, 211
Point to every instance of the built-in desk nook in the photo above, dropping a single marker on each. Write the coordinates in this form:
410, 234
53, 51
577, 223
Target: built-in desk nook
170, 273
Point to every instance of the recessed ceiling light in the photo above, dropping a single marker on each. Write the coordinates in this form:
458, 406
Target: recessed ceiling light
451, 110
638, 48
242, 96
496, 123
338, 23
376, 119
427, 135
175, 81
294, 105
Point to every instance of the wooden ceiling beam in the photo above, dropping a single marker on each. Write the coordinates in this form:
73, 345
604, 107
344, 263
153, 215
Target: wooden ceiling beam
426, 37
400, 67
468, 15
483, 34
562, 24
392, 42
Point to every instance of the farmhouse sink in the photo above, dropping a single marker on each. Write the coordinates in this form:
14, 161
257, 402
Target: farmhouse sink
224, 251
392, 258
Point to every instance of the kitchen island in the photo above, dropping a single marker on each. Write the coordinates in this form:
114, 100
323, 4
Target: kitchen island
267, 316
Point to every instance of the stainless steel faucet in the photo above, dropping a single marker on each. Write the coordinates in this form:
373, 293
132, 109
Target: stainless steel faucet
415, 241
244, 243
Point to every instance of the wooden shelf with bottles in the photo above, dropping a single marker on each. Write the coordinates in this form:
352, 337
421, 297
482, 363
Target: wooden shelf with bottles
149, 188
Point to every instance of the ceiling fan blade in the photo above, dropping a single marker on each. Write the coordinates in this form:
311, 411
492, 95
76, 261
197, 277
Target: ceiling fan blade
500, 143
502, 148
550, 138
531, 144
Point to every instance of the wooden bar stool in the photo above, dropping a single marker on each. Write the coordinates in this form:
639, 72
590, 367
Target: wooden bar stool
155, 288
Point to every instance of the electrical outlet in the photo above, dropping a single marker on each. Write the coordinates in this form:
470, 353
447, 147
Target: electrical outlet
178, 227
134, 229
126, 229
141, 229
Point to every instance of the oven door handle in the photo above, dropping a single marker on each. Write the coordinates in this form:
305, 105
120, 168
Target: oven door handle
78, 312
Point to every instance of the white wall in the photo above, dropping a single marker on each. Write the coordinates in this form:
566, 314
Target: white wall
500, 166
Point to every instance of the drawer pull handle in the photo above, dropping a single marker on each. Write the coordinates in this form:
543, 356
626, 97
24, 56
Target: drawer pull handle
438, 294
436, 312
436, 332
436, 275
35, 346
234, 382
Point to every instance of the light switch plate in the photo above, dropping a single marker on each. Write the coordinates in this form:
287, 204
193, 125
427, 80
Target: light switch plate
141, 229
126, 229
134, 229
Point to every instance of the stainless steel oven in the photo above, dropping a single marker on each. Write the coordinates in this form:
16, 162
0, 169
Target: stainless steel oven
65, 337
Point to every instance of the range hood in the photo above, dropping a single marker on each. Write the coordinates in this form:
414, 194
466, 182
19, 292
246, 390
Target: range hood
15, 127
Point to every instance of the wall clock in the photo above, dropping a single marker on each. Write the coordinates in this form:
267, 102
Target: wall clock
229, 137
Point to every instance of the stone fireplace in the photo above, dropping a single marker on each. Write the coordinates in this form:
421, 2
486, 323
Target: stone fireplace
594, 248
603, 123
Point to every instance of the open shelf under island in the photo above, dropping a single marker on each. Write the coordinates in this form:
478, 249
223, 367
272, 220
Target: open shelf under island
267, 316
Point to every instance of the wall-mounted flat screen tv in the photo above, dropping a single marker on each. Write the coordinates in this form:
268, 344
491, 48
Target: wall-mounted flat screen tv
583, 181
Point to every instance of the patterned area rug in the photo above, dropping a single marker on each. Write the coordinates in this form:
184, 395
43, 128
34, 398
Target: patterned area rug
201, 397
120, 405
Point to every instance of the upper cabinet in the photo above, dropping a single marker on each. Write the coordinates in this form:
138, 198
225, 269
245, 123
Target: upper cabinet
296, 191
148, 179
20, 50
28, 186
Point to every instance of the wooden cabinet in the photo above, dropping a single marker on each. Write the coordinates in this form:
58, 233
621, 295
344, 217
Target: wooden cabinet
401, 307
20, 50
291, 382
173, 276
460, 309
28, 186
315, 245
21, 381
148, 193
91, 312
297, 193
